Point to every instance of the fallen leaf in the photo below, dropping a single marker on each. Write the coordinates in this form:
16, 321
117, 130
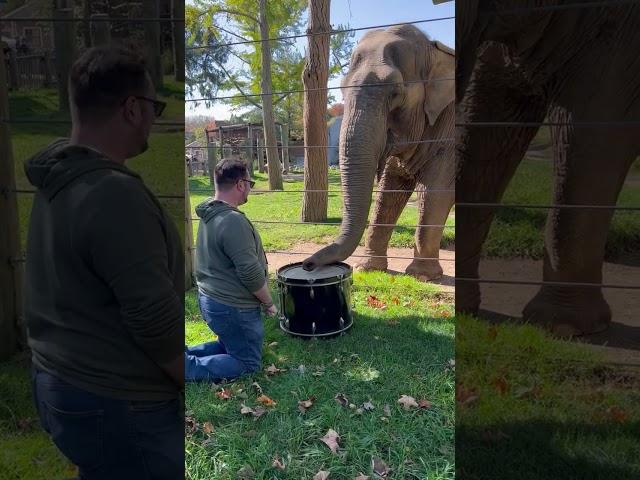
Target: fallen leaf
375, 303
501, 385
190, 424
424, 403
352, 406
266, 401
272, 370
492, 332
245, 473
224, 394
321, 475
532, 391
452, 363
368, 406
304, 405
407, 402
207, 428
342, 399
380, 468
25, 424
273, 344
277, 463
362, 476
618, 414
331, 440
387, 410
258, 388
466, 396
384, 419
359, 411
395, 301
301, 369
256, 412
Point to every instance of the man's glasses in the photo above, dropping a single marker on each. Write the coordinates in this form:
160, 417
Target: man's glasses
251, 182
158, 105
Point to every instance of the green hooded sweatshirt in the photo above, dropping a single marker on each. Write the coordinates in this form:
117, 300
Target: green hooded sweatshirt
104, 283
230, 260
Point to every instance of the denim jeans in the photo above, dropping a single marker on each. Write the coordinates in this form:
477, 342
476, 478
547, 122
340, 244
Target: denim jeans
238, 349
108, 438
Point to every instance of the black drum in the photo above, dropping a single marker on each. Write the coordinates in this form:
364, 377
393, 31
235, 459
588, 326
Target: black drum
316, 303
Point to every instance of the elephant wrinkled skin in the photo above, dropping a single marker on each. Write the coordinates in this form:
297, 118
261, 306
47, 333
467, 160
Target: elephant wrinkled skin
382, 130
577, 65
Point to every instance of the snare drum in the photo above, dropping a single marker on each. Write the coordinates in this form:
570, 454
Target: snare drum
316, 303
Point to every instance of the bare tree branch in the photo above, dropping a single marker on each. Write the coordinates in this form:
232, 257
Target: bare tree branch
236, 12
280, 99
238, 86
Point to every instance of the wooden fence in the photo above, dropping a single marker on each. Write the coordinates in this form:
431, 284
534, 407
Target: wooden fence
30, 71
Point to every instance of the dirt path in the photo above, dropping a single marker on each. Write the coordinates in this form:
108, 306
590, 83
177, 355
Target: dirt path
622, 338
396, 265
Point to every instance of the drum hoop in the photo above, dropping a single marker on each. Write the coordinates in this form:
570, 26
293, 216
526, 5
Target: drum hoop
310, 285
347, 274
286, 330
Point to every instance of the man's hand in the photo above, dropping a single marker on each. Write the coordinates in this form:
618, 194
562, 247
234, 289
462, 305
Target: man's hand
272, 311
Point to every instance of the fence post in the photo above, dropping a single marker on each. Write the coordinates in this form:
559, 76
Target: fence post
284, 135
261, 168
100, 30
45, 69
10, 265
188, 237
13, 70
211, 161
64, 33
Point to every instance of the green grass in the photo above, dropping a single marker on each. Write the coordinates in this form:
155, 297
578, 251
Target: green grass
25, 450
288, 207
519, 232
401, 350
545, 408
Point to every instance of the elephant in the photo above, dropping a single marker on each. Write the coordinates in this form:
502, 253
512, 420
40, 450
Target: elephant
401, 130
576, 65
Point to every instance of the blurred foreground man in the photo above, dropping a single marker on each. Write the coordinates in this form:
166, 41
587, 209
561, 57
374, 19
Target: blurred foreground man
105, 284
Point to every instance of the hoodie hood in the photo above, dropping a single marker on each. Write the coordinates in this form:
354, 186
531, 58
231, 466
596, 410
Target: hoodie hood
59, 164
210, 208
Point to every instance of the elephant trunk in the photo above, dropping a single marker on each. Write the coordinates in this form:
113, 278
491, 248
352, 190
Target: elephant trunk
362, 142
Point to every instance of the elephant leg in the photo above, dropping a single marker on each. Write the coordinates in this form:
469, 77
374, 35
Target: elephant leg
388, 207
591, 166
434, 210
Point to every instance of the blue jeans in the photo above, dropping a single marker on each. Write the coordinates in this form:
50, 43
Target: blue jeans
237, 351
111, 439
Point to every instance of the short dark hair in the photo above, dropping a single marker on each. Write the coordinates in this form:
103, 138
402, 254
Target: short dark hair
103, 77
228, 171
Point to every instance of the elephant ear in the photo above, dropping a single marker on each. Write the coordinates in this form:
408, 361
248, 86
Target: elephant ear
438, 92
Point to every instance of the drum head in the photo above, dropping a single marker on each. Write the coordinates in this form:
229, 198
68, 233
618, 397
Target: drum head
296, 272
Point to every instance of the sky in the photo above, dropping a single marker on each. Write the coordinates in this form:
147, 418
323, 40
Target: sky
363, 13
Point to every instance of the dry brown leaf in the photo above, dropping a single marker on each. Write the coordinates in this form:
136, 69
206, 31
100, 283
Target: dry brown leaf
368, 406
380, 468
387, 410
190, 424
266, 401
342, 399
258, 388
618, 414
407, 402
25, 424
424, 403
375, 303
207, 428
304, 405
256, 412
224, 394
492, 332
277, 463
321, 475
331, 440
272, 370
501, 385
466, 396
532, 391
395, 301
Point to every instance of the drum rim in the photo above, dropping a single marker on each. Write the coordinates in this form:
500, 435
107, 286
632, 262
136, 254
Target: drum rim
326, 280
313, 335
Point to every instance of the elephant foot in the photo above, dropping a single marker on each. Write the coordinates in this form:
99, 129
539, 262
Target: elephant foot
425, 270
371, 264
467, 298
568, 315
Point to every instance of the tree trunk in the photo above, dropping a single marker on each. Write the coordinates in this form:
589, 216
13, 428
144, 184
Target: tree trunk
152, 40
260, 155
315, 76
273, 162
177, 12
64, 34
100, 30
10, 267
188, 238
211, 162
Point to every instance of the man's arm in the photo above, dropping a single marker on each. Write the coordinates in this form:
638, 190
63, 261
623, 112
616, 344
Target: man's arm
127, 249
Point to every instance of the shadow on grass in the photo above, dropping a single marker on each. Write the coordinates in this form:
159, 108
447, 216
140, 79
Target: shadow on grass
540, 449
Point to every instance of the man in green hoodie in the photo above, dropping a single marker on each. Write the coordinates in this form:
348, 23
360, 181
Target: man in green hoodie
105, 284
232, 277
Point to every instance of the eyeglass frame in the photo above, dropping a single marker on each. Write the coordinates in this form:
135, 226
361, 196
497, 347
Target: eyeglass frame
252, 183
158, 105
